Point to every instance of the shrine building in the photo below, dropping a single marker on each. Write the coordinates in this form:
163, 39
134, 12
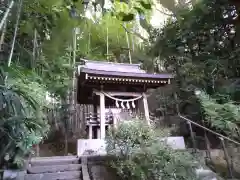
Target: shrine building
117, 92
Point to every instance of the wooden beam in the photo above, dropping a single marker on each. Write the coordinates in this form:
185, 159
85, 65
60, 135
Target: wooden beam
106, 124
126, 80
120, 93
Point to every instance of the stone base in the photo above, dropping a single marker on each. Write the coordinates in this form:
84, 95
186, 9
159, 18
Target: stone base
91, 147
98, 146
175, 142
13, 175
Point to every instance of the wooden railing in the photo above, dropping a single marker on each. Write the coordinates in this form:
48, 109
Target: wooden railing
93, 118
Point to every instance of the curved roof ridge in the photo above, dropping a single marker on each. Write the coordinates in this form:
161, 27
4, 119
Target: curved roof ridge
105, 62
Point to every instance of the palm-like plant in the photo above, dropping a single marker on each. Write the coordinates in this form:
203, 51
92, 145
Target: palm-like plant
21, 120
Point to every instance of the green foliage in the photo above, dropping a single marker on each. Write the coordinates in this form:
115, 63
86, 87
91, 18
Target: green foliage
58, 73
42, 62
127, 137
143, 156
22, 122
201, 45
93, 43
126, 11
223, 116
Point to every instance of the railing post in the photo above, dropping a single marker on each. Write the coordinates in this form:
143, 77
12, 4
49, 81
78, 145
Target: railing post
208, 151
193, 137
226, 157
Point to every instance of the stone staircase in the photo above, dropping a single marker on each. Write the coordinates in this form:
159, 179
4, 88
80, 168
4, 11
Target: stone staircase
72, 168
54, 168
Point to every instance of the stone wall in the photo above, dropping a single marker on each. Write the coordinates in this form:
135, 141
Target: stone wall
99, 169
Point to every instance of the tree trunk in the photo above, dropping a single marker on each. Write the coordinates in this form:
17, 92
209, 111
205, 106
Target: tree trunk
66, 144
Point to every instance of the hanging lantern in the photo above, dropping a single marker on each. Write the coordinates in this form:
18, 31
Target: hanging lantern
122, 105
117, 105
128, 106
133, 105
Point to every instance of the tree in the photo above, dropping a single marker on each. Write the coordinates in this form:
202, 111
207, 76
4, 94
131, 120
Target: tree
43, 61
201, 47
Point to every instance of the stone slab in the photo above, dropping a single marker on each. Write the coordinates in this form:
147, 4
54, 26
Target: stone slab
53, 168
54, 176
42, 161
85, 173
13, 175
176, 142
91, 146
98, 146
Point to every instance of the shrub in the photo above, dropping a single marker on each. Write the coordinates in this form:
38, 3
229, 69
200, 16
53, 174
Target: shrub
141, 155
22, 122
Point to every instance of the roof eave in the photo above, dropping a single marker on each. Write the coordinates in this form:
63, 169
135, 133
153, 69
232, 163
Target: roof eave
126, 74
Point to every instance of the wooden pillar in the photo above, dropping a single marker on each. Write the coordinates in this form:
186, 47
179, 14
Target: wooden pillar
102, 115
90, 131
95, 105
114, 120
95, 113
146, 110
98, 133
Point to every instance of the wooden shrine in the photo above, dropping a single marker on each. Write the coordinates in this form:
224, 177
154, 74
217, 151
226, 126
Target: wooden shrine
113, 88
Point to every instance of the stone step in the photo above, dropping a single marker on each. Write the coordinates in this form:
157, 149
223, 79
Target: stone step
53, 168
53, 157
54, 176
48, 161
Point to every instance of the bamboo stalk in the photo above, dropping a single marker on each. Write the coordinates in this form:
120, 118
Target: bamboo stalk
128, 44
107, 44
132, 39
6, 14
3, 35
73, 116
15, 33
34, 48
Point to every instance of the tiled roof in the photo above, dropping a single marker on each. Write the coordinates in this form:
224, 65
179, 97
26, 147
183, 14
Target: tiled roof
95, 71
110, 66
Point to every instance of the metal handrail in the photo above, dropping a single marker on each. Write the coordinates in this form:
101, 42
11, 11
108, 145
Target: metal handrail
221, 137
209, 130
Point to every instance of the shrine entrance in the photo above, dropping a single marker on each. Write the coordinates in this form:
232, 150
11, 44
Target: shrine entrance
117, 92
120, 106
